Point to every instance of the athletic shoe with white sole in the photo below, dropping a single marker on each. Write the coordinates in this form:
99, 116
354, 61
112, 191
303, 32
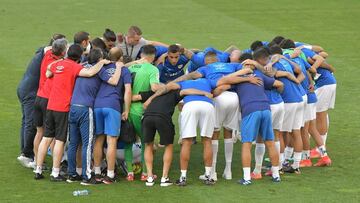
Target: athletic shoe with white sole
75, 178
227, 175
165, 182
213, 176
59, 178
181, 181
24, 161
244, 182
209, 181
150, 181
90, 181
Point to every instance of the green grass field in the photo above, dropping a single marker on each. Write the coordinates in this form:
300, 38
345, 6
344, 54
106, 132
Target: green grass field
26, 25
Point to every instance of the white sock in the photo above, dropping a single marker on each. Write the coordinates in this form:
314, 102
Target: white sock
228, 149
305, 154
79, 171
322, 150
277, 146
215, 148
55, 172
247, 173
259, 156
297, 159
324, 137
183, 173
38, 169
288, 152
275, 171
207, 171
110, 173
282, 159
97, 170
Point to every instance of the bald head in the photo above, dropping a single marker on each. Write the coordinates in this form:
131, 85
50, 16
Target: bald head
115, 54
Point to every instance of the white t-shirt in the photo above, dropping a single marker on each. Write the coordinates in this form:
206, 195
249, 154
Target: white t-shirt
130, 50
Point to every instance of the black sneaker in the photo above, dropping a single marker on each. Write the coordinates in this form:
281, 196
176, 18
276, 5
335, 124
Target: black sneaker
59, 178
74, 178
99, 178
107, 180
292, 170
208, 181
165, 182
91, 181
181, 181
39, 176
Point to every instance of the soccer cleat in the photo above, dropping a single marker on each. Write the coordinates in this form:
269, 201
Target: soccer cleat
165, 182
292, 170
150, 181
99, 178
324, 161
130, 177
314, 153
305, 163
108, 181
181, 181
256, 176
209, 181
144, 177
227, 175
59, 178
213, 176
90, 181
276, 180
38, 176
75, 178
244, 182
24, 161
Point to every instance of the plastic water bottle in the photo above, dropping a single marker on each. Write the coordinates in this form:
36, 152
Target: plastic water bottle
81, 193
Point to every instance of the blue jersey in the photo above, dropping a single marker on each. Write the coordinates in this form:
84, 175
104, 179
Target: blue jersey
199, 84
160, 50
109, 96
86, 89
252, 97
325, 76
169, 72
198, 59
215, 71
291, 93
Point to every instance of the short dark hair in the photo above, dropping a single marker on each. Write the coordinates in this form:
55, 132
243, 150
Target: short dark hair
260, 52
287, 44
210, 54
109, 35
245, 56
94, 55
81, 36
174, 48
277, 39
148, 50
74, 52
256, 44
55, 37
134, 30
98, 43
275, 49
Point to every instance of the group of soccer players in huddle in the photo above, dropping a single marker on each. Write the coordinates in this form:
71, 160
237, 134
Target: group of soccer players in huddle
76, 96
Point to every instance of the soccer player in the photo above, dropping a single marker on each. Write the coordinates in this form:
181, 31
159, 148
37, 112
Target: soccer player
171, 64
108, 114
64, 72
131, 43
256, 115
51, 54
146, 78
109, 38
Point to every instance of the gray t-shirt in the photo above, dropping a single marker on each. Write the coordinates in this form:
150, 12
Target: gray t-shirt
130, 50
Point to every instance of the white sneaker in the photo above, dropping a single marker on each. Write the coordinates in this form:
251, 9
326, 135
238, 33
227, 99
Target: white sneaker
213, 176
32, 164
150, 181
227, 175
165, 182
24, 161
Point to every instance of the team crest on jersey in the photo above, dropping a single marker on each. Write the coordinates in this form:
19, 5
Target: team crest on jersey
180, 66
110, 71
59, 69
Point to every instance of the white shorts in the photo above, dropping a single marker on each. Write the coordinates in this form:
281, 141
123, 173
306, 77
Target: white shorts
293, 116
277, 114
197, 114
310, 112
227, 111
326, 97
305, 100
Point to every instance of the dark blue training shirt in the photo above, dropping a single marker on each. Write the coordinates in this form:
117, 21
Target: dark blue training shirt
169, 72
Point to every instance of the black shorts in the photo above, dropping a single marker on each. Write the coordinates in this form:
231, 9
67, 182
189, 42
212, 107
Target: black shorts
40, 111
165, 128
56, 125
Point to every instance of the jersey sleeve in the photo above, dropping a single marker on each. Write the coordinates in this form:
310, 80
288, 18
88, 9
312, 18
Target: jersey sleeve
268, 81
308, 53
202, 71
307, 64
154, 76
76, 69
104, 75
183, 60
126, 75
